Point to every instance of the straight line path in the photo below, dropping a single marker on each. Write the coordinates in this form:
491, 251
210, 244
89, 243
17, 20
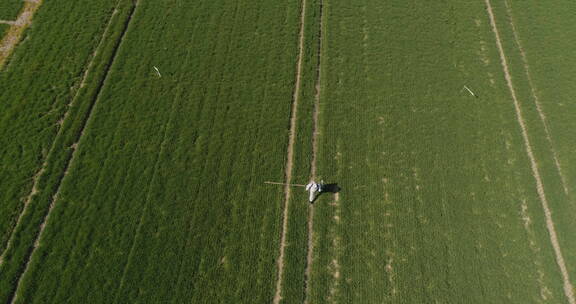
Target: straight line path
290, 154
14, 296
568, 289
40, 172
313, 173
536, 99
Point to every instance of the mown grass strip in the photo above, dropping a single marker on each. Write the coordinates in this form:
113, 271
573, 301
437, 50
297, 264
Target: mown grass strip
27, 237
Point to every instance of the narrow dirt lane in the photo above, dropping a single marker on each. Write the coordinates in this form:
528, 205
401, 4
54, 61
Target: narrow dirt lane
290, 155
536, 99
313, 173
568, 289
14, 297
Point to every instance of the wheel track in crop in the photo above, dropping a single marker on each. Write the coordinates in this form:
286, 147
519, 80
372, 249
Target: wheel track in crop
14, 295
535, 96
568, 289
17, 28
313, 171
290, 154
146, 200
40, 172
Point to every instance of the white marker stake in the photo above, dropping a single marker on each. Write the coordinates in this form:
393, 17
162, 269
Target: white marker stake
157, 72
469, 91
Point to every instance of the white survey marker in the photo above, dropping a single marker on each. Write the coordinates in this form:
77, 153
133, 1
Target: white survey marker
470, 91
157, 72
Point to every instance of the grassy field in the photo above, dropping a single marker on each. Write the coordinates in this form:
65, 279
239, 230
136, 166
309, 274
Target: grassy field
9, 9
439, 202
173, 167
42, 82
3, 29
537, 55
121, 185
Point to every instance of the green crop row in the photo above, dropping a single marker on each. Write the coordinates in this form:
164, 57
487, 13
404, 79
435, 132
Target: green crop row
35, 92
293, 288
36, 86
9, 9
438, 201
59, 155
164, 199
546, 47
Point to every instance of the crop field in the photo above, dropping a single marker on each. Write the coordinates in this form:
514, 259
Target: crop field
3, 29
136, 137
9, 9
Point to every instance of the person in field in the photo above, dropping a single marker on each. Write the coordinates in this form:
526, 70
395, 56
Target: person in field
314, 189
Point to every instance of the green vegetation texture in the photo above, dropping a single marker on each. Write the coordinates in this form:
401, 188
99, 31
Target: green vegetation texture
9, 9
3, 29
438, 203
173, 166
152, 187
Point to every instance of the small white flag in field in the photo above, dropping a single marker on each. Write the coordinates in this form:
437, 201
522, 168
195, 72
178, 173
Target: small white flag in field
470, 91
157, 72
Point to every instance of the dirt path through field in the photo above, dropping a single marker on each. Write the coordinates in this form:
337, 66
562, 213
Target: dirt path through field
536, 99
315, 131
73, 156
17, 29
290, 154
40, 172
568, 289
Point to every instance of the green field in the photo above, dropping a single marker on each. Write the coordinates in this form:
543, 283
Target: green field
9, 9
3, 29
121, 183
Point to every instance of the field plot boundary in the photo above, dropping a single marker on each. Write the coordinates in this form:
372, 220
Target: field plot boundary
42, 169
17, 28
14, 295
313, 168
290, 153
568, 289
535, 96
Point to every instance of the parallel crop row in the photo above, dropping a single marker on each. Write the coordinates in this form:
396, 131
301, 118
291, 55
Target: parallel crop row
438, 203
164, 198
24, 237
536, 51
292, 290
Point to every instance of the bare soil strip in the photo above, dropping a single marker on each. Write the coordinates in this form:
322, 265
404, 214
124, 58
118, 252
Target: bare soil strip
536, 99
568, 289
315, 130
290, 154
52, 147
16, 30
14, 296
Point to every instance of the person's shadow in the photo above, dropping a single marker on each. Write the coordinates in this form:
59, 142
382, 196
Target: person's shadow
332, 188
